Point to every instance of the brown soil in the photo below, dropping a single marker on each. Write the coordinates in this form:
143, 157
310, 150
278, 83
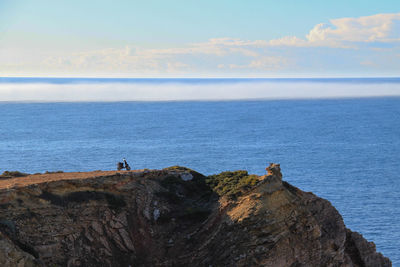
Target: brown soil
43, 178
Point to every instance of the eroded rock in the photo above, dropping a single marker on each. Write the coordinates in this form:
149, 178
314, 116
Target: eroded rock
163, 218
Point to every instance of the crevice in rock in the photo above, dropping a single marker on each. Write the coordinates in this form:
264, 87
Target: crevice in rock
352, 251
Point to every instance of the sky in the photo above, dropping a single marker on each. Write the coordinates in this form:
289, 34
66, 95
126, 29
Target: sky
287, 38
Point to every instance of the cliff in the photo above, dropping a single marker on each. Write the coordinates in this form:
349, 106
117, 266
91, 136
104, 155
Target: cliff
172, 217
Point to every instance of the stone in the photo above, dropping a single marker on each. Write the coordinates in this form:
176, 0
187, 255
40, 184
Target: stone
186, 176
156, 214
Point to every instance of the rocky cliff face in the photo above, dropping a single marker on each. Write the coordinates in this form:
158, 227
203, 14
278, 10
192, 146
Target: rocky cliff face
171, 217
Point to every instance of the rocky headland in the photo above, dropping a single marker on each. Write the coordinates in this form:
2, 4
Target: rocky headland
172, 217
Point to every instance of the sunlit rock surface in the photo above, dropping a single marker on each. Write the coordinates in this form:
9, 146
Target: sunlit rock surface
171, 217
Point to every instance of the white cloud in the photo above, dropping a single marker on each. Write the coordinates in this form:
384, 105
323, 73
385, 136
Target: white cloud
156, 60
236, 42
263, 63
348, 32
289, 41
376, 28
224, 54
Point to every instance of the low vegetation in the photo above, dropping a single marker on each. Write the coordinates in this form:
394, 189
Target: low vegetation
178, 168
231, 183
13, 174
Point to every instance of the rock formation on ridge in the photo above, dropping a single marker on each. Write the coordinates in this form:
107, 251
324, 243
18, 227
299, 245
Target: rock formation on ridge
172, 217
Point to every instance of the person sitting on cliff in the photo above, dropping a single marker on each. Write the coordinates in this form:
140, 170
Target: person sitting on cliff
123, 165
120, 166
126, 165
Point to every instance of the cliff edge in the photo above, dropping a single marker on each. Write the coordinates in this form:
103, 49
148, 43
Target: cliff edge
172, 217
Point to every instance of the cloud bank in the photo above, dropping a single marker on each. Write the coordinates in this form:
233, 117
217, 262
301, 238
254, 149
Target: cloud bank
45, 92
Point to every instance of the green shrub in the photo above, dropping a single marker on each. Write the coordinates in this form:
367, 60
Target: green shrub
177, 168
226, 183
12, 174
231, 183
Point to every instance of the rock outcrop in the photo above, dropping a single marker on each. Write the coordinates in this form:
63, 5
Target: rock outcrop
171, 217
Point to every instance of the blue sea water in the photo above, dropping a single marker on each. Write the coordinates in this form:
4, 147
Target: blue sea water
344, 150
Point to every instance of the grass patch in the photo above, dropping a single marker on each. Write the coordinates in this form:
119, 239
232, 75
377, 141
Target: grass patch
177, 168
227, 183
13, 174
231, 183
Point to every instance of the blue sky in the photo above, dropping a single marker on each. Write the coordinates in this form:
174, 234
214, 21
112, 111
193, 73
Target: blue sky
199, 38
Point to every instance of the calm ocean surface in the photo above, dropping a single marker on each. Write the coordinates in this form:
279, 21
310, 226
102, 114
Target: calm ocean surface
344, 150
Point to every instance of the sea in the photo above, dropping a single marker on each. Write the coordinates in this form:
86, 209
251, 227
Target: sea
339, 138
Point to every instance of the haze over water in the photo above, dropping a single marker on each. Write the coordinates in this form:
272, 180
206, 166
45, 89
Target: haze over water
175, 89
342, 148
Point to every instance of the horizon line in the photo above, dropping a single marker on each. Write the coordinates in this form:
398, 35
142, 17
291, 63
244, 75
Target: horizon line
204, 77
318, 98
